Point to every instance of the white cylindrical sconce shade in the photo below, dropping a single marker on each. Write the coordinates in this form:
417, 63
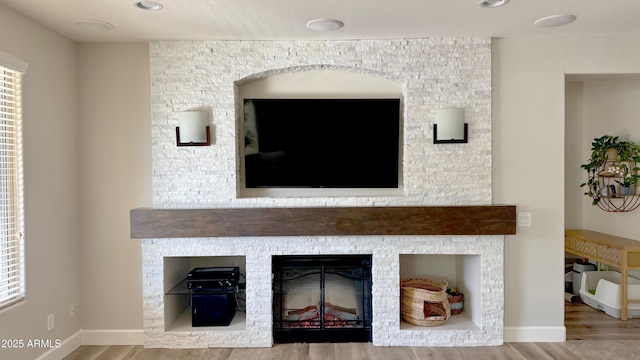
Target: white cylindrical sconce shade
450, 126
193, 127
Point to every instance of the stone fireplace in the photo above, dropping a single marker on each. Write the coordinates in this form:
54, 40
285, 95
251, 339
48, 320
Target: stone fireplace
468, 253
206, 183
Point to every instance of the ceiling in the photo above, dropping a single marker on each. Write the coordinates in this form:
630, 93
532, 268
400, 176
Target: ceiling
363, 19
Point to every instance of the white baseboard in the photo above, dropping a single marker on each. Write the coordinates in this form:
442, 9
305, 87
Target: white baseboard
94, 337
67, 347
535, 334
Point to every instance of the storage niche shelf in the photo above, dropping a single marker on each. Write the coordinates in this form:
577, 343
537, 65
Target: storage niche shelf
460, 271
177, 307
613, 197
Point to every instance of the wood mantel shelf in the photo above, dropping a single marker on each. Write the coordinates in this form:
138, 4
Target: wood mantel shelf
329, 221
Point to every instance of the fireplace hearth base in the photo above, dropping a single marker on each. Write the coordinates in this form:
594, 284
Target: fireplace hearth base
284, 336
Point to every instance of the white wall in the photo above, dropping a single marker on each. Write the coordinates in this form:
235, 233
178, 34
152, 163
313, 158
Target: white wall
528, 156
51, 181
87, 145
115, 138
574, 156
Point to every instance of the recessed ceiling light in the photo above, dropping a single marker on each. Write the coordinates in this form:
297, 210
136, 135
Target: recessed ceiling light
555, 20
325, 24
148, 5
96, 25
492, 3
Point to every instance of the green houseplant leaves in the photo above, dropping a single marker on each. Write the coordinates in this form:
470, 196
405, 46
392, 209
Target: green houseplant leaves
625, 156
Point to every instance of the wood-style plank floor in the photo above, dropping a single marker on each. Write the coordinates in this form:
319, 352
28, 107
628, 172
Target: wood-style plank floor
591, 335
571, 350
586, 323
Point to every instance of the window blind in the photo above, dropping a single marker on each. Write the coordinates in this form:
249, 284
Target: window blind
12, 287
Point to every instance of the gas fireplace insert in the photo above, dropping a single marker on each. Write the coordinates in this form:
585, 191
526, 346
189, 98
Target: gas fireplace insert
322, 298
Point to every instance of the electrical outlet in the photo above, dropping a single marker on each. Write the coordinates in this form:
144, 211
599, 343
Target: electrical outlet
50, 322
524, 219
72, 310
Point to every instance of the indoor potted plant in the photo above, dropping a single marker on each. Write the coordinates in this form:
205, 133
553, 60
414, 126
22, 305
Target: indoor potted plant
629, 180
611, 157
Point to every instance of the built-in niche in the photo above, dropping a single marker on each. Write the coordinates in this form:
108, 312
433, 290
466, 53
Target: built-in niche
459, 271
320, 85
177, 307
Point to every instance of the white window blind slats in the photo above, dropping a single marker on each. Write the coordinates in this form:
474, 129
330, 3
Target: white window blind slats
12, 274
9, 296
6, 154
9, 94
12, 287
9, 245
6, 103
5, 114
9, 267
11, 299
6, 261
8, 82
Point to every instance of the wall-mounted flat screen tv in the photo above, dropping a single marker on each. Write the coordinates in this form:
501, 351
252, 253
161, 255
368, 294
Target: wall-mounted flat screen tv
322, 143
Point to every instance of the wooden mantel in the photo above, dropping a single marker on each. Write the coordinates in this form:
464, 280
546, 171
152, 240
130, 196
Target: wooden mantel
330, 221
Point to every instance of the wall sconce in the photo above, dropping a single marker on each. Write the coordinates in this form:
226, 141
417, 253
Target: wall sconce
450, 127
193, 129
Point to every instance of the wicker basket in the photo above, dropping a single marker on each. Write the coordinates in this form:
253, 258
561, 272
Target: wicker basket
424, 302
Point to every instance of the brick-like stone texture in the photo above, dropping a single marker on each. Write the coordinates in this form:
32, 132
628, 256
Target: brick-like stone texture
434, 73
385, 252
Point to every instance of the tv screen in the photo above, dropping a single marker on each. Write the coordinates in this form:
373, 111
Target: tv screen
321, 143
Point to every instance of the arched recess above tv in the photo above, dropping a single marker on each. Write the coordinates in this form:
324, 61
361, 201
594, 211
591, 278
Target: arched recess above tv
320, 133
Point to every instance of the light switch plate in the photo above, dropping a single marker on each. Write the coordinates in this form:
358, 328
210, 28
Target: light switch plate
524, 219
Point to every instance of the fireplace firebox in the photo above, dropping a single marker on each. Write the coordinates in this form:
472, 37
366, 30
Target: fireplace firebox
322, 298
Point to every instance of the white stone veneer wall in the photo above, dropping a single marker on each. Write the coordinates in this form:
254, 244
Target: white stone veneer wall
434, 73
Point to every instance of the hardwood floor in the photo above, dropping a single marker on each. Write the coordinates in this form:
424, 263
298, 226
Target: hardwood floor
572, 350
586, 323
591, 335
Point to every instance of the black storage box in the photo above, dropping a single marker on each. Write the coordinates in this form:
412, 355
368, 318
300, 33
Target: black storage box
213, 308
